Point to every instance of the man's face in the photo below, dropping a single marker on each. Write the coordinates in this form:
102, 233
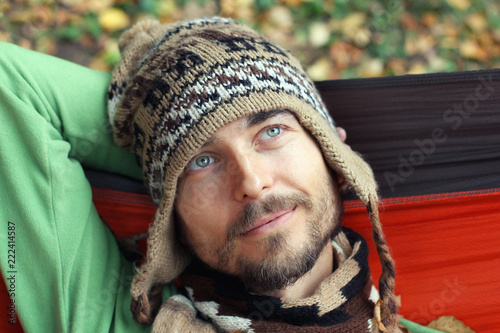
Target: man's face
257, 201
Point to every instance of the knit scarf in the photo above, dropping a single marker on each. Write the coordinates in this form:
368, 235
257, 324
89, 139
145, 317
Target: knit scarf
216, 302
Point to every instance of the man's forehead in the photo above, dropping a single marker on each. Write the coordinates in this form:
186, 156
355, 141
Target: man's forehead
252, 121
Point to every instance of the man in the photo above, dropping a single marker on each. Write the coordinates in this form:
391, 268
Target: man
243, 161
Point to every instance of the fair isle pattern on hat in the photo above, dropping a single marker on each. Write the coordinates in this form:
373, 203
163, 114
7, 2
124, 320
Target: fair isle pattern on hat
175, 86
212, 69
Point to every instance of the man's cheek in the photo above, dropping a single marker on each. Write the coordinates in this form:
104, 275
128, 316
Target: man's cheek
196, 200
192, 206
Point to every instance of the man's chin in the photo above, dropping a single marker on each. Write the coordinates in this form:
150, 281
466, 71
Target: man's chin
281, 268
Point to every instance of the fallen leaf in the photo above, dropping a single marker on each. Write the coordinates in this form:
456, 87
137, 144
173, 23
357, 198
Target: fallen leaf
472, 49
227, 7
417, 68
477, 22
450, 27
319, 34
195, 9
362, 37
430, 19
344, 54
459, 4
319, 70
409, 22
167, 8
293, 3
25, 43
95, 6
5, 37
280, 17
352, 23
112, 19
450, 324
372, 68
397, 66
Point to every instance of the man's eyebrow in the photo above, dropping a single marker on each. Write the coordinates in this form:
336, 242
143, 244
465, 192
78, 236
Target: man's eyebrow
211, 141
251, 121
258, 118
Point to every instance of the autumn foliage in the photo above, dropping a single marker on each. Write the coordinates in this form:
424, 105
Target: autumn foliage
333, 38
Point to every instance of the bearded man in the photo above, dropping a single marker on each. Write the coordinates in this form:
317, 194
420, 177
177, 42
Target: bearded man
244, 163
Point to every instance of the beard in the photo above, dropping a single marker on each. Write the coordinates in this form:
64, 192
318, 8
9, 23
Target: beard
283, 263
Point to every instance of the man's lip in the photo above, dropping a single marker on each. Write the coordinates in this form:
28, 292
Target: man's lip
280, 217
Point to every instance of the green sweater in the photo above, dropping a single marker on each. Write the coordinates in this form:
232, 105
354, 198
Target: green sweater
68, 272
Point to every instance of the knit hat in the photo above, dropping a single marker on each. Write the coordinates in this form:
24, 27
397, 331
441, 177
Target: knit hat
175, 86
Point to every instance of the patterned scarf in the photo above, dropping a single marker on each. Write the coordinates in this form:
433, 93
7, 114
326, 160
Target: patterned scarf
344, 302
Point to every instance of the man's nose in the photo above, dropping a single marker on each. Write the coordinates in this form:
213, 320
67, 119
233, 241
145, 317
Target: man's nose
252, 176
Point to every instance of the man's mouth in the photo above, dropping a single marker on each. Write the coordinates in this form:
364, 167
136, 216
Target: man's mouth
270, 222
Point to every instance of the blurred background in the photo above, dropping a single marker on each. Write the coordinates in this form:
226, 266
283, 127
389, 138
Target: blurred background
333, 38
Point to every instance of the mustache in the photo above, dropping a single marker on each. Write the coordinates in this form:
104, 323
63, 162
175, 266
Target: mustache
270, 204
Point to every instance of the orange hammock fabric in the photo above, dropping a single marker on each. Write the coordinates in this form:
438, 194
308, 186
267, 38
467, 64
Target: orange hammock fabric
447, 255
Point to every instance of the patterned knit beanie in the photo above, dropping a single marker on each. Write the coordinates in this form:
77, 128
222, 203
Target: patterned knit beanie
175, 86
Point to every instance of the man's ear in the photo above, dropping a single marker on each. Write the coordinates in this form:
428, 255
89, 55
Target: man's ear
342, 133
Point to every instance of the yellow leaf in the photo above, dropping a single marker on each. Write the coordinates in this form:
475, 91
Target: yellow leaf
98, 5
420, 44
280, 17
227, 7
293, 3
84, 6
472, 49
476, 22
416, 68
397, 66
112, 19
459, 4
319, 34
362, 37
320, 69
166, 8
245, 3
99, 64
436, 63
5, 37
352, 23
372, 68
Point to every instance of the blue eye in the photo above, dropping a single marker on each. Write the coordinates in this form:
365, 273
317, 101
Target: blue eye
271, 132
200, 162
